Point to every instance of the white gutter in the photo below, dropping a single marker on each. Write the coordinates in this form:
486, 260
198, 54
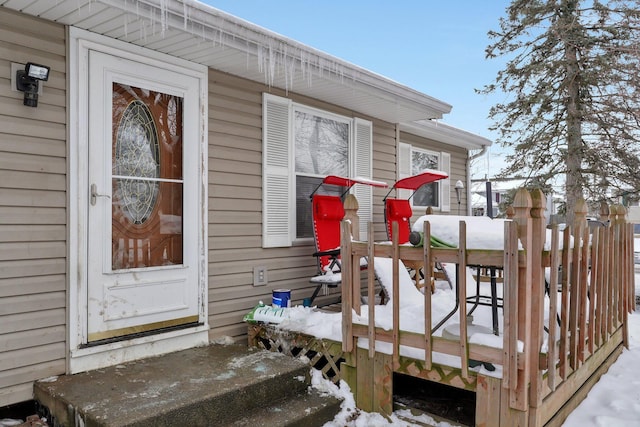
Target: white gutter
446, 134
479, 154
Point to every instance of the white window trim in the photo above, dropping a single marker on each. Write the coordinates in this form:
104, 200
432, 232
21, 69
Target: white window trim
404, 157
278, 177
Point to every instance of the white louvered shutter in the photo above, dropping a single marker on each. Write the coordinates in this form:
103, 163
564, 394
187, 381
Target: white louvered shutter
445, 184
363, 167
276, 170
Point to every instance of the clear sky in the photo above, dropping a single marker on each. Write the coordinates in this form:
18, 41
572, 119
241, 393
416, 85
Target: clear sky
435, 47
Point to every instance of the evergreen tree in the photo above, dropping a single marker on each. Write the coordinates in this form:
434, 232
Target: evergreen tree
573, 86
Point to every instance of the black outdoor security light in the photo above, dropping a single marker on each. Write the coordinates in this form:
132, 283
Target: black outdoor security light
27, 82
459, 187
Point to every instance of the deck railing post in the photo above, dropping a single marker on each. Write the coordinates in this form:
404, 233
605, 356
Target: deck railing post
608, 275
462, 297
351, 207
554, 268
616, 222
371, 259
347, 287
522, 203
510, 307
629, 280
537, 292
427, 267
581, 228
577, 288
396, 295
624, 278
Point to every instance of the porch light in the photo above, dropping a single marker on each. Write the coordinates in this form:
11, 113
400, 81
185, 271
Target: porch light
27, 81
459, 187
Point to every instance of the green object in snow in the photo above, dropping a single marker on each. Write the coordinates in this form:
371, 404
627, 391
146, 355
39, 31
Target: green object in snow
416, 238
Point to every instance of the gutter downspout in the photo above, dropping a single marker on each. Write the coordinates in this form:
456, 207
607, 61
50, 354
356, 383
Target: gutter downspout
480, 153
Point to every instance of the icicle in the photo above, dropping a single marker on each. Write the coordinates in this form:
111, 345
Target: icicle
185, 13
290, 71
164, 15
260, 58
272, 65
278, 61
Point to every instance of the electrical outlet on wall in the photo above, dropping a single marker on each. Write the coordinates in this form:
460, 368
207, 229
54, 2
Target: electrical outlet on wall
260, 276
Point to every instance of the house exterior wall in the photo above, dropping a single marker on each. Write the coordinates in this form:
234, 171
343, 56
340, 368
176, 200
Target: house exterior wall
235, 208
33, 215
34, 192
235, 201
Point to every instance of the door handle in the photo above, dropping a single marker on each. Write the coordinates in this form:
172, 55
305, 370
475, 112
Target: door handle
95, 195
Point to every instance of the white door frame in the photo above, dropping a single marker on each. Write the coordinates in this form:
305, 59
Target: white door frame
79, 357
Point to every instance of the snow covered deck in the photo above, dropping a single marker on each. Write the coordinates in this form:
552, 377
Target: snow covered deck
522, 380
588, 301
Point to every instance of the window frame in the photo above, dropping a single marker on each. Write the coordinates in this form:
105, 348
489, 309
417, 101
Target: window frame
438, 156
297, 107
404, 169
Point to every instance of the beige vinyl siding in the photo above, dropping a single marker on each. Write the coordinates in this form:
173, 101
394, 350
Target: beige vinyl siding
384, 169
235, 205
235, 201
32, 210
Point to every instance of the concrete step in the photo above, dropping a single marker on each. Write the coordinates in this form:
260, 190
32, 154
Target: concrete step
305, 410
207, 386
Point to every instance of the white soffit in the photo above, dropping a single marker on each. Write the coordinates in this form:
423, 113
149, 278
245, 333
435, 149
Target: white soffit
200, 33
438, 131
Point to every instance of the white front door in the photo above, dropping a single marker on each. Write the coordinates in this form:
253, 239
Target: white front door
143, 184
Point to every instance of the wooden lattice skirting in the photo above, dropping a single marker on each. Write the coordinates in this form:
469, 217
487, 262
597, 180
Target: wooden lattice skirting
323, 355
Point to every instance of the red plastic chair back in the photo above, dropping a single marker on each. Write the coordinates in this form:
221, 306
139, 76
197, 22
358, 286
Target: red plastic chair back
398, 210
327, 213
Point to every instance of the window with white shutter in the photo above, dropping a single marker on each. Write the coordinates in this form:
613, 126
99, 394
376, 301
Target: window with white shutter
301, 146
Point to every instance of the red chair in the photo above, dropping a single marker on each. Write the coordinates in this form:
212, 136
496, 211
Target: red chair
398, 210
327, 212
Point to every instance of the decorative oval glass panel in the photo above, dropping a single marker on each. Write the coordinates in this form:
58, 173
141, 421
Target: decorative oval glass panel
137, 156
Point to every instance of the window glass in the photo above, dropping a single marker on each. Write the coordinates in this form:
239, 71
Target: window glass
147, 183
137, 154
427, 195
304, 187
321, 145
321, 149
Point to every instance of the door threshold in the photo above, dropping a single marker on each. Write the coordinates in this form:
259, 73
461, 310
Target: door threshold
140, 334
134, 348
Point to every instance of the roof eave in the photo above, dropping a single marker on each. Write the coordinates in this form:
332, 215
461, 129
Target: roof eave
441, 132
201, 34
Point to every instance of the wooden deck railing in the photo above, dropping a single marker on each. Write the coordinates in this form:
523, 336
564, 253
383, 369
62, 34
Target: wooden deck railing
590, 287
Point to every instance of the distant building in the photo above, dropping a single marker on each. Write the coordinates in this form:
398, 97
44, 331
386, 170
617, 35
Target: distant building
499, 189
